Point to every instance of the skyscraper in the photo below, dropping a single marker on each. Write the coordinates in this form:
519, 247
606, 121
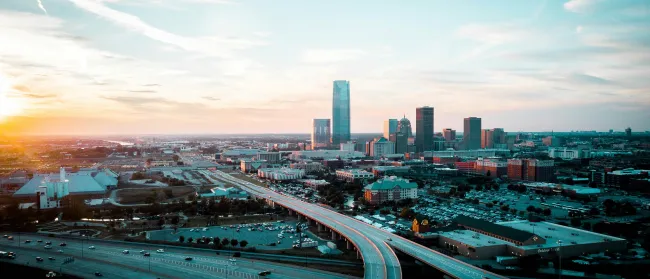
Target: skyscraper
449, 134
320, 133
486, 138
390, 127
628, 131
341, 112
424, 129
472, 133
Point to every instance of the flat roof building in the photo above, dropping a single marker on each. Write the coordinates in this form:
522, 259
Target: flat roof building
390, 189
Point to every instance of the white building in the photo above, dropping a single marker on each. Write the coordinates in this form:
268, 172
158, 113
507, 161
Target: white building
567, 153
269, 157
351, 175
347, 146
381, 146
51, 191
309, 167
390, 189
281, 174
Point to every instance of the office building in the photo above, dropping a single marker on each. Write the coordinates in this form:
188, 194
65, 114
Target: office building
491, 138
472, 133
404, 126
380, 147
390, 189
449, 134
390, 128
341, 112
424, 129
401, 143
531, 170
269, 157
320, 133
350, 175
623, 178
491, 168
347, 146
486, 139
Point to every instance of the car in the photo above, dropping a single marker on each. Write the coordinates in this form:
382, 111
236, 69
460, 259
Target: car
160, 251
264, 273
91, 247
188, 259
62, 244
10, 238
389, 239
39, 259
48, 243
125, 252
51, 258
5, 236
232, 260
142, 251
28, 241
98, 274
39, 241
47, 247
59, 251
146, 254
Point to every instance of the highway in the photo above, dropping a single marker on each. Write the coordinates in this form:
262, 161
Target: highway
369, 238
171, 263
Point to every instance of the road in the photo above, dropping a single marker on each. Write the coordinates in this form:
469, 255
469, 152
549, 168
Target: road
372, 239
170, 264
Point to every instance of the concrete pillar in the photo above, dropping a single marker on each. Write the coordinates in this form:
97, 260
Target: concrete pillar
358, 255
333, 235
348, 245
299, 216
320, 227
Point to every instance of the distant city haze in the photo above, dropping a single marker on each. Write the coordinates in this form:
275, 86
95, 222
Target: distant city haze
238, 66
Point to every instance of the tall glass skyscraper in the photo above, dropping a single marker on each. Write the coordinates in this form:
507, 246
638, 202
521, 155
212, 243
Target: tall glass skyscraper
472, 133
424, 129
341, 112
320, 134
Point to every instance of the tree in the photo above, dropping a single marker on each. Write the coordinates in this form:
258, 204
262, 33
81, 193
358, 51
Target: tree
216, 240
575, 222
586, 226
488, 173
547, 212
407, 213
478, 187
175, 158
530, 208
489, 205
225, 241
234, 242
181, 239
190, 239
243, 243
475, 201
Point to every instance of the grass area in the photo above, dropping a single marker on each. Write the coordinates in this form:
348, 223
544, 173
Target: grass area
235, 220
133, 196
247, 178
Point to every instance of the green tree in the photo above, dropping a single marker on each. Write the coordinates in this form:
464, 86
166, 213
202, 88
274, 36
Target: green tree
586, 226
575, 222
234, 242
190, 239
243, 243
181, 239
225, 241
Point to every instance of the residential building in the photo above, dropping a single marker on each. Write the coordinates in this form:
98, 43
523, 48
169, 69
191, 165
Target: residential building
472, 133
249, 166
380, 147
449, 134
424, 129
341, 112
320, 133
351, 175
491, 168
390, 189
390, 127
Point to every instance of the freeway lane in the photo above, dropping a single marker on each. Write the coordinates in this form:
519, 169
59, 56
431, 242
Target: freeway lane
379, 259
378, 237
204, 264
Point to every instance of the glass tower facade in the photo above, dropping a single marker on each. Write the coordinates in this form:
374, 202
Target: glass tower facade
472, 133
320, 134
424, 129
341, 112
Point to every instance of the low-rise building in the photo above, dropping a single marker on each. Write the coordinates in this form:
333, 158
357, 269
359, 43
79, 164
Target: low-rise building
309, 167
325, 154
315, 183
250, 166
350, 175
622, 178
281, 174
269, 157
390, 189
240, 153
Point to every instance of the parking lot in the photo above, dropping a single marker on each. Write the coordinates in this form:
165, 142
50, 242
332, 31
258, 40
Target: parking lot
264, 236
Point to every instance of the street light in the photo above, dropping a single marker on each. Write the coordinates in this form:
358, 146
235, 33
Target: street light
560, 250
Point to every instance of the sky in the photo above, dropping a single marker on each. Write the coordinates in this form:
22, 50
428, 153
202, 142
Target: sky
238, 66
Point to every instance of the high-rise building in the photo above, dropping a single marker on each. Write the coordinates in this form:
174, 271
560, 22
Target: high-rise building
320, 133
341, 112
404, 126
449, 134
390, 127
486, 138
472, 133
498, 136
401, 143
424, 129
628, 131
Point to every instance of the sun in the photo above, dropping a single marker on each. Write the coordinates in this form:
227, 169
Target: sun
8, 106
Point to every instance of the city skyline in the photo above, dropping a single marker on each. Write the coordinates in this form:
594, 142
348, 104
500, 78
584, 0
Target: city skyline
229, 67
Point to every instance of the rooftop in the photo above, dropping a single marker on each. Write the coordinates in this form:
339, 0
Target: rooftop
497, 229
473, 239
391, 183
78, 184
553, 232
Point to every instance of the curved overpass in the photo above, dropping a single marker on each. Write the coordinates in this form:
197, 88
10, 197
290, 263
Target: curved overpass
368, 239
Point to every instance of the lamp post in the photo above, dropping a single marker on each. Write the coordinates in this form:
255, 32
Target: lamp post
560, 251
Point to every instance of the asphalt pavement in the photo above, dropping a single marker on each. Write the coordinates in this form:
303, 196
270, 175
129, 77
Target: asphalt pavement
171, 263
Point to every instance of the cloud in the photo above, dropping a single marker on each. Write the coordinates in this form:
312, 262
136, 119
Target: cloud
40, 5
22, 88
37, 96
210, 98
580, 6
135, 101
211, 46
331, 55
142, 91
579, 29
151, 84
